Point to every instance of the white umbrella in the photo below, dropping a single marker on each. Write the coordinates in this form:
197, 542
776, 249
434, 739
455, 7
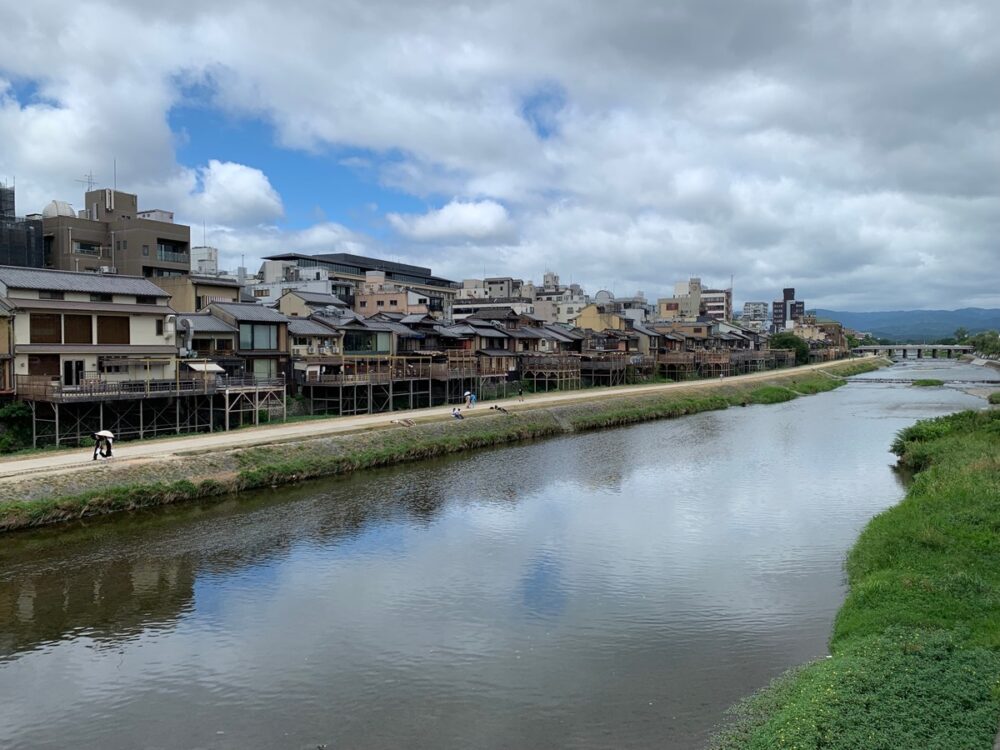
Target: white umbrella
468, 393
105, 433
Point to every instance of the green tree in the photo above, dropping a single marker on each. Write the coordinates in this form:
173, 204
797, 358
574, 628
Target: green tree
791, 341
15, 427
961, 334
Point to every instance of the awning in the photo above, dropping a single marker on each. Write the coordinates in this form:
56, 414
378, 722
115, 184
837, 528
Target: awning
204, 366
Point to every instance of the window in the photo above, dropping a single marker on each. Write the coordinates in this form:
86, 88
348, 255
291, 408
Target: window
145, 299
124, 244
49, 294
78, 329
362, 303
261, 293
393, 303
301, 341
86, 248
258, 336
264, 368
45, 328
224, 345
380, 303
145, 250
112, 329
118, 245
100, 298
159, 326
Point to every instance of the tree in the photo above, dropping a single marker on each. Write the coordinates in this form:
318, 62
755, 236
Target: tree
961, 334
791, 341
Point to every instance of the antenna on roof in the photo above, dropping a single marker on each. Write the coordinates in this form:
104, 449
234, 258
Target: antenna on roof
114, 183
88, 180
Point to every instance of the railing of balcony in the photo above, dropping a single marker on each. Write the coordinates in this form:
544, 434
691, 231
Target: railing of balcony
92, 386
171, 256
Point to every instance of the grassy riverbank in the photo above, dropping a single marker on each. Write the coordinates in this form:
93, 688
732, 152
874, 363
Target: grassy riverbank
215, 474
916, 647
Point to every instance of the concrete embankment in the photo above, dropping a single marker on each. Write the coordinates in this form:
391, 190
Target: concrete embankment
175, 475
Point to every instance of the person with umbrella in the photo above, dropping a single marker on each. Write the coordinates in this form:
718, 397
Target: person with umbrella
102, 443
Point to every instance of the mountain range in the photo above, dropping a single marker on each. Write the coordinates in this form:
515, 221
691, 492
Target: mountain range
917, 325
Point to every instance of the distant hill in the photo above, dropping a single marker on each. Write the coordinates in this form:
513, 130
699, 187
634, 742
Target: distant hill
917, 325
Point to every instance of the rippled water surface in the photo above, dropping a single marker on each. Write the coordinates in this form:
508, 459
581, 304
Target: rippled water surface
610, 589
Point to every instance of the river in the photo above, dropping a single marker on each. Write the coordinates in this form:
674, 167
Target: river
614, 589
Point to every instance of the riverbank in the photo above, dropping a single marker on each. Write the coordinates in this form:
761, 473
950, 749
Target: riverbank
915, 652
65, 494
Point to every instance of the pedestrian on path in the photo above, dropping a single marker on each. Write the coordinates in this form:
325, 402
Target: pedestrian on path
472, 400
520, 391
468, 399
98, 444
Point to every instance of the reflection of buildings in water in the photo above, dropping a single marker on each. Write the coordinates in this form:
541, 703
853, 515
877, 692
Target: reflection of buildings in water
107, 601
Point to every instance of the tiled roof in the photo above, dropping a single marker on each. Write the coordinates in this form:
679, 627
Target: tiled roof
70, 281
306, 327
250, 313
205, 323
319, 298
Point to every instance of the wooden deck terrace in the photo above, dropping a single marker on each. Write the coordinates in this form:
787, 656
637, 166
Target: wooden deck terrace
41, 388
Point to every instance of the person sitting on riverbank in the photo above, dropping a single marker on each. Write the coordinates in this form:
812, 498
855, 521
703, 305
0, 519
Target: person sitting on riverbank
457, 413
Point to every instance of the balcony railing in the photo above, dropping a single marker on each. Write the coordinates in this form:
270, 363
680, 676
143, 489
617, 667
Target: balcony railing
42, 388
172, 256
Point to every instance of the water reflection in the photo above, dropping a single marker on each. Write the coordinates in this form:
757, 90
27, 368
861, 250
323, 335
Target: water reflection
617, 588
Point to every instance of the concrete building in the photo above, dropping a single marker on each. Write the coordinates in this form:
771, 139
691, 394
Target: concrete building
686, 304
785, 312
205, 260
718, 303
20, 237
351, 269
463, 308
194, 293
375, 295
111, 233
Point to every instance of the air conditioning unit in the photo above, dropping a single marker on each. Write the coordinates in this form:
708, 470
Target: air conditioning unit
311, 350
324, 350
107, 269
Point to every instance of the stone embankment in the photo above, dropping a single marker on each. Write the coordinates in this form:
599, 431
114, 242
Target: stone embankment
168, 475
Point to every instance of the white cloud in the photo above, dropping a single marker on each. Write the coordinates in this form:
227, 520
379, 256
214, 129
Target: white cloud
849, 150
472, 221
235, 194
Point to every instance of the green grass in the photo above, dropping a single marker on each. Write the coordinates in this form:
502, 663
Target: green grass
994, 398
916, 647
927, 382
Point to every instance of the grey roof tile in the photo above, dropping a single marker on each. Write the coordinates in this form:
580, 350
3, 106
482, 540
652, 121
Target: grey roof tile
71, 281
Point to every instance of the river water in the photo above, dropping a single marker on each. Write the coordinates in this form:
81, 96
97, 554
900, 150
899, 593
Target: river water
615, 589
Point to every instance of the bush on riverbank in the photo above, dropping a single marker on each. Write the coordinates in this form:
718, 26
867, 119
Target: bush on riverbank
994, 397
927, 382
916, 646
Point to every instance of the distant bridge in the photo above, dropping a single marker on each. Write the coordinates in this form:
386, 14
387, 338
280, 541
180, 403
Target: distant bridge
914, 351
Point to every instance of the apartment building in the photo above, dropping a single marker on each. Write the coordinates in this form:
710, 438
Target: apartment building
191, 293
263, 337
375, 295
20, 237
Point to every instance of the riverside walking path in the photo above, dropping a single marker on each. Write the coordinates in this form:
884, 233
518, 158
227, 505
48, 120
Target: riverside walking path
169, 448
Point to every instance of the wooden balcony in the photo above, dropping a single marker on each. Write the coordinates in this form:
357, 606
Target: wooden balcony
42, 388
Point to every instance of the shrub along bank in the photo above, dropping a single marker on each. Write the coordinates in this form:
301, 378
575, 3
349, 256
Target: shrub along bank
916, 647
36, 501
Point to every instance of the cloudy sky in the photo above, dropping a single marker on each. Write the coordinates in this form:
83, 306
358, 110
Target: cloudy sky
849, 149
